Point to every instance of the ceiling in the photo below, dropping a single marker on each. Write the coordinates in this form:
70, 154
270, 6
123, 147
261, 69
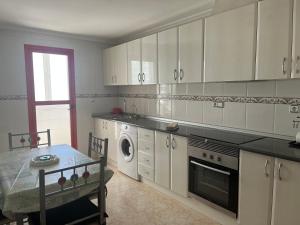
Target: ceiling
102, 19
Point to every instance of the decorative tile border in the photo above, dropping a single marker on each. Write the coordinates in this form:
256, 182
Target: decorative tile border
237, 99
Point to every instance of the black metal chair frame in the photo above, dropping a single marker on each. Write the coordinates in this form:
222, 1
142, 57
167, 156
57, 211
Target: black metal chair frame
98, 146
33, 140
100, 191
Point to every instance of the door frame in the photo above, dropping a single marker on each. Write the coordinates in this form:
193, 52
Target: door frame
32, 103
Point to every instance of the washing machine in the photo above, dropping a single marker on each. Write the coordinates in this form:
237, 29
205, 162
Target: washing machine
127, 151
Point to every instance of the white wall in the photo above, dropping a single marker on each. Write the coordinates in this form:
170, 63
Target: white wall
88, 75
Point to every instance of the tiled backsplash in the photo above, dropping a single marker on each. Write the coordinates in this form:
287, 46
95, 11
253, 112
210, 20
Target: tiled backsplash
258, 106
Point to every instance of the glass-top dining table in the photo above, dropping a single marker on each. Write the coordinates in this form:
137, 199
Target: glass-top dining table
19, 180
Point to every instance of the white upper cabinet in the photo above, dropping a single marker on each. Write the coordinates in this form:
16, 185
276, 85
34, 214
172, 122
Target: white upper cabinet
167, 56
149, 59
120, 64
134, 62
286, 198
230, 41
191, 52
107, 67
255, 188
274, 39
296, 41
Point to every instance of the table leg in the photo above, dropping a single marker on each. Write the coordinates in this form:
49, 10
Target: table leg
19, 219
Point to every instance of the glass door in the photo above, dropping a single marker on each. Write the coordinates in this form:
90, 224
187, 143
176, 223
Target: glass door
51, 92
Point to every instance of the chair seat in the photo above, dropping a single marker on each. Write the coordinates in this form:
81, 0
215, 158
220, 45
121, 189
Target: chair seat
68, 213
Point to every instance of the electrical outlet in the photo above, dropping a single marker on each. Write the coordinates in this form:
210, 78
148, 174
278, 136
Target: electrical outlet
294, 109
219, 104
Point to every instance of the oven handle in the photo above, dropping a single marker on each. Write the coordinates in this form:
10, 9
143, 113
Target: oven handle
211, 168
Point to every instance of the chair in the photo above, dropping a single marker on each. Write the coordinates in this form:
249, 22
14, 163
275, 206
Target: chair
4, 220
29, 140
98, 146
81, 211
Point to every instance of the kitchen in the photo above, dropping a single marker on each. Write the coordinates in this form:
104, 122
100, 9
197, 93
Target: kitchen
203, 108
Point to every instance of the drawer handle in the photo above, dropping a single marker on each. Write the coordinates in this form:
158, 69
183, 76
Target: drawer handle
168, 142
173, 143
266, 168
279, 171
284, 65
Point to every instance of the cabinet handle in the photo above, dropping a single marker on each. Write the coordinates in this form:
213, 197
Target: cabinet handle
297, 65
173, 143
181, 74
168, 142
175, 74
279, 171
266, 168
143, 77
284, 65
139, 77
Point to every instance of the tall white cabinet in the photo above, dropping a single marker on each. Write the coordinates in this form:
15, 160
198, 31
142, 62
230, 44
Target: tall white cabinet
274, 39
296, 41
134, 61
229, 51
171, 162
268, 190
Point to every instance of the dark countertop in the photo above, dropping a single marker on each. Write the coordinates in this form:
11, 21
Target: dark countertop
263, 145
273, 147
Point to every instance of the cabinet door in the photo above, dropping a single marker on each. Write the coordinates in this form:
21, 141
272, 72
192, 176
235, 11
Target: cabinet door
149, 59
296, 40
179, 165
286, 198
191, 52
274, 39
134, 61
167, 56
107, 67
121, 64
112, 140
162, 159
100, 128
255, 188
229, 47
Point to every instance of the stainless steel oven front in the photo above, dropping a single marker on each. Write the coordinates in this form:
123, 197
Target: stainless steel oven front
213, 173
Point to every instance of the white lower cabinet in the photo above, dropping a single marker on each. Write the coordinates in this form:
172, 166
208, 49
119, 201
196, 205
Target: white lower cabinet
268, 190
171, 170
146, 153
107, 129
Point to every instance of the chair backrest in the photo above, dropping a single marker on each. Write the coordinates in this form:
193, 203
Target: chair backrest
75, 181
98, 146
29, 140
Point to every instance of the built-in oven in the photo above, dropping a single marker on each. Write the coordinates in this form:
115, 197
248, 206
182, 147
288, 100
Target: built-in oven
213, 172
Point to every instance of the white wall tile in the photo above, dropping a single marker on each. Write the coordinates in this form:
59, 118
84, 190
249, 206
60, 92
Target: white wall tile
235, 89
288, 88
141, 106
213, 89
212, 115
284, 121
165, 89
194, 111
234, 115
165, 108
151, 89
261, 89
179, 89
130, 105
195, 89
179, 110
153, 107
260, 117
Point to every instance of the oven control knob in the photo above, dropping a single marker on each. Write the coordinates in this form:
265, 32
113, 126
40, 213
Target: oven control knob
211, 157
219, 159
204, 154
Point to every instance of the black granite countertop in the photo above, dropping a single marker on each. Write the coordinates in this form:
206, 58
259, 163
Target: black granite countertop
263, 145
273, 147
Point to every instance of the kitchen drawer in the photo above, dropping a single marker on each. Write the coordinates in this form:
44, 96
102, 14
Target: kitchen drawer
146, 172
144, 134
146, 159
146, 147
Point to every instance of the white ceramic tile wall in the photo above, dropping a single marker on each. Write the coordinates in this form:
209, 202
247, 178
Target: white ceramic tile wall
270, 118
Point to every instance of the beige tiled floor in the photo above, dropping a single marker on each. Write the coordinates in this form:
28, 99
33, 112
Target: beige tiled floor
134, 203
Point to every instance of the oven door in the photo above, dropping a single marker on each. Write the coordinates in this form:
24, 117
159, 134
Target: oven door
214, 183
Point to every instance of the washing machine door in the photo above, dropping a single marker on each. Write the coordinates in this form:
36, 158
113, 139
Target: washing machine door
126, 147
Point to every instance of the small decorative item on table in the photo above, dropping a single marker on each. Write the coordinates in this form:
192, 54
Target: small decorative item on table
44, 160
